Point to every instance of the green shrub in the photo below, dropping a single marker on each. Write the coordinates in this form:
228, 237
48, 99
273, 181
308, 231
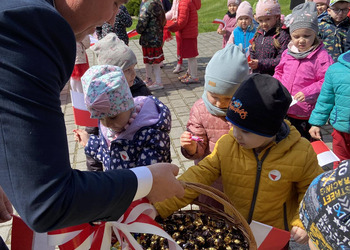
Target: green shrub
133, 7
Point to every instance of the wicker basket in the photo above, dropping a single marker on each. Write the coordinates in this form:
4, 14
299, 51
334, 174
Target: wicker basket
187, 226
231, 214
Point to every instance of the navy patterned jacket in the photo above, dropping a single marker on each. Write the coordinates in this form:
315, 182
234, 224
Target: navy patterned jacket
268, 56
334, 36
145, 141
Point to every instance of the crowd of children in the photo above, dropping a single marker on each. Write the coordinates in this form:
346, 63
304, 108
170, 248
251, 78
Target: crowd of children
265, 91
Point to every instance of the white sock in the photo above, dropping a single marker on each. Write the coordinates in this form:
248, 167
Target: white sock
192, 66
148, 70
156, 71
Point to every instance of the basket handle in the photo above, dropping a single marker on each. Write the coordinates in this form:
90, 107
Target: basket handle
229, 208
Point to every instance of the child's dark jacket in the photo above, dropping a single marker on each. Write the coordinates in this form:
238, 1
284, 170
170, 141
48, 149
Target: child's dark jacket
145, 141
265, 51
334, 36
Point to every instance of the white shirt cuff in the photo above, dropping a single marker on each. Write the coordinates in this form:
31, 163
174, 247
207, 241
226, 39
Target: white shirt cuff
145, 181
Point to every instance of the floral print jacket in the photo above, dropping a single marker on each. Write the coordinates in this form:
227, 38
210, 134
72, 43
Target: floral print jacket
151, 23
123, 20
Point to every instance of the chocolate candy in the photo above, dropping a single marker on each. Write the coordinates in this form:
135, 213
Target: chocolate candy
196, 230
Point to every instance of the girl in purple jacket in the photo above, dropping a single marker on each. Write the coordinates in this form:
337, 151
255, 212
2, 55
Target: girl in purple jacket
230, 21
133, 131
270, 40
303, 66
223, 75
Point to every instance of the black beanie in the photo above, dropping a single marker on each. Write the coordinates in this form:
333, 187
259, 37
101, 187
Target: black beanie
259, 105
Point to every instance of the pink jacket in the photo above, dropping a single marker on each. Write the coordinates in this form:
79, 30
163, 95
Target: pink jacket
230, 26
305, 75
207, 126
187, 19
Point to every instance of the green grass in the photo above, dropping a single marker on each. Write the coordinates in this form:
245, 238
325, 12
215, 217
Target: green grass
212, 9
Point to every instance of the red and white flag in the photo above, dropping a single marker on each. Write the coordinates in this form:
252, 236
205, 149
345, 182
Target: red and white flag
220, 21
132, 33
23, 238
324, 154
81, 113
268, 237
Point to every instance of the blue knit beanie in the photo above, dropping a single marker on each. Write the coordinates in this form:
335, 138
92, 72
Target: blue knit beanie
226, 70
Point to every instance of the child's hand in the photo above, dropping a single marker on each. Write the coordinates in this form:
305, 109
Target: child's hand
300, 97
220, 31
315, 132
81, 136
299, 235
253, 64
187, 143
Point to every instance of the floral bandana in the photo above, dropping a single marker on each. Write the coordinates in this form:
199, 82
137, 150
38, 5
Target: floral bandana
106, 91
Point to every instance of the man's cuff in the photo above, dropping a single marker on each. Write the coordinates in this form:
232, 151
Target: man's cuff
144, 180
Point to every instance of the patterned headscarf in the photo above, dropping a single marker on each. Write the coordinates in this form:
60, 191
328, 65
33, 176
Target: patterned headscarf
106, 91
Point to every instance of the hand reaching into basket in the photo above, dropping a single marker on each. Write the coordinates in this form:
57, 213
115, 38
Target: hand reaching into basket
165, 185
299, 235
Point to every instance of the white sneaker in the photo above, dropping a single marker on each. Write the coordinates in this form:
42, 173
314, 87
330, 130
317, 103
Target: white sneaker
156, 86
178, 69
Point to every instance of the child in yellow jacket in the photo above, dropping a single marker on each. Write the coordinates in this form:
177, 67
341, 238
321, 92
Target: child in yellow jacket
265, 165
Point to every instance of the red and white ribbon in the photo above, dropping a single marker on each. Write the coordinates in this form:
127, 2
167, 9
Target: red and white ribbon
139, 218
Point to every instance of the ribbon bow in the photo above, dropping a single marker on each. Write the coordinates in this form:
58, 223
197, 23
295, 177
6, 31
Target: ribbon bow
139, 218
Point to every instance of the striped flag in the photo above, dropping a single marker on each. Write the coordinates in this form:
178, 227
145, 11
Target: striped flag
268, 237
22, 237
324, 154
81, 114
220, 21
132, 33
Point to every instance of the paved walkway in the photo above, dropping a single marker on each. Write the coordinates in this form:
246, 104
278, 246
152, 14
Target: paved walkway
177, 96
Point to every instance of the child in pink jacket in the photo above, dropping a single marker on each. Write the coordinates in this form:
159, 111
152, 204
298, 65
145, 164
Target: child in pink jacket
223, 75
230, 21
303, 66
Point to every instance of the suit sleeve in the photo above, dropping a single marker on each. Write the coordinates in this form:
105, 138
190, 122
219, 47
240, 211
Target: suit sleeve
35, 170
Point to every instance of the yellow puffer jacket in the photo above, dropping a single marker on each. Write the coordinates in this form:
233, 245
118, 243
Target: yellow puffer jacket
286, 172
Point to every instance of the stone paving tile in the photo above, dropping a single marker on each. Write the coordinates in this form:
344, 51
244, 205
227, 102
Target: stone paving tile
177, 96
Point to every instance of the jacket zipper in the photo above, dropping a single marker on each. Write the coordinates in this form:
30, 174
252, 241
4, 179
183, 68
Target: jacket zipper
257, 182
286, 226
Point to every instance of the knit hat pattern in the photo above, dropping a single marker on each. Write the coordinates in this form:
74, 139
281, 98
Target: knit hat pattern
322, 1
106, 91
332, 2
244, 9
236, 2
325, 209
259, 105
304, 16
110, 50
226, 70
267, 8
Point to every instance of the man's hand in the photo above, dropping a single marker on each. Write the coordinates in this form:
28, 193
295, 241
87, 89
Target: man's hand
165, 185
6, 209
